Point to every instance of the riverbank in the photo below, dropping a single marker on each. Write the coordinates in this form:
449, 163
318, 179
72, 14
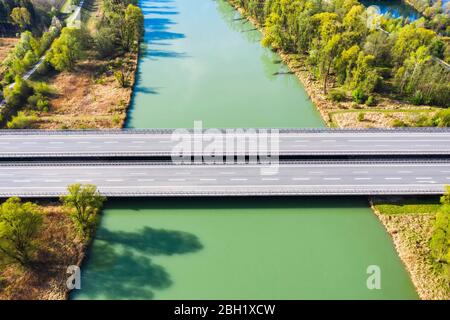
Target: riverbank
89, 97
59, 248
410, 227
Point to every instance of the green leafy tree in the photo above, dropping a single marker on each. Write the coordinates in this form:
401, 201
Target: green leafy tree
127, 25
273, 32
20, 224
83, 204
408, 39
134, 20
66, 50
17, 95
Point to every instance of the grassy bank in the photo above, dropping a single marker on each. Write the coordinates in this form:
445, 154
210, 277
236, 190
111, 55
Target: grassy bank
409, 221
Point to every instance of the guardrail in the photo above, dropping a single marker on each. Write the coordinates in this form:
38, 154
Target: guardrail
222, 130
322, 192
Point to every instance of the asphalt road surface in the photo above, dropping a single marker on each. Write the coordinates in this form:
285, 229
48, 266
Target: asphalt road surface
19, 144
295, 178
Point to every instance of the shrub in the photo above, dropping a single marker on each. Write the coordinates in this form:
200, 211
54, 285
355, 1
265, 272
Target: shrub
105, 42
21, 121
396, 123
361, 116
18, 94
442, 118
371, 101
42, 88
42, 104
417, 98
359, 96
337, 95
122, 78
423, 121
116, 119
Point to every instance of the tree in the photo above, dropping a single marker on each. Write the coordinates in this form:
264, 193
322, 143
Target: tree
20, 224
127, 25
134, 20
18, 94
66, 50
83, 203
21, 17
122, 76
408, 39
273, 32
328, 45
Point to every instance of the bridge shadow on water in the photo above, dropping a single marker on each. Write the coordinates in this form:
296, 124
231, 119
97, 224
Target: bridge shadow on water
245, 202
122, 268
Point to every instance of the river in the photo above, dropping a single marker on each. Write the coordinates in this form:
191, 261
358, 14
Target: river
201, 61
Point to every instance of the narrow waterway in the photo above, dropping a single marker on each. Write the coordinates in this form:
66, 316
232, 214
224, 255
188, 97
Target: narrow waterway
203, 62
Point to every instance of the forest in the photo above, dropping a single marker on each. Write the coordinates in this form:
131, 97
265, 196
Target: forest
351, 51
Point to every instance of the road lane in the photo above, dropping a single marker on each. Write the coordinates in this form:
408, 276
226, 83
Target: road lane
294, 178
139, 143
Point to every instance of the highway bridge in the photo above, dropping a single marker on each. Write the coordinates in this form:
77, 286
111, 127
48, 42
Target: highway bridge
127, 179
127, 163
160, 142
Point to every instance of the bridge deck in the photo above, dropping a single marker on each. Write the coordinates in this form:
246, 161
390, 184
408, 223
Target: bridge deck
127, 179
147, 143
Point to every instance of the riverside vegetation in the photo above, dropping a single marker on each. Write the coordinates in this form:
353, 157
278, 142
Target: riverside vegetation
87, 74
38, 241
348, 67
420, 229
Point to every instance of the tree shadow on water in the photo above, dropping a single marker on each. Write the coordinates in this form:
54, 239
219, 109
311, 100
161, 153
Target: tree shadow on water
120, 264
154, 241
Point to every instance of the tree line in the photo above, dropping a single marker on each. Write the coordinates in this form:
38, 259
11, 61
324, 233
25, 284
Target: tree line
344, 51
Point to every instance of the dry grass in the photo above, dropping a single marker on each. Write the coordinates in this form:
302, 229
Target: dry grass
88, 97
379, 119
6, 45
60, 249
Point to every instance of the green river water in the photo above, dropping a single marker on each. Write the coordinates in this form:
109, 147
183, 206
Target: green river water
202, 62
